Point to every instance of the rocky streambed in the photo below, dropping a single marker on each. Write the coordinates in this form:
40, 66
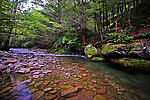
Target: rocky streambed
44, 77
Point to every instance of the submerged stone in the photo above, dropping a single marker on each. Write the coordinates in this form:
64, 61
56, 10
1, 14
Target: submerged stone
32, 68
99, 97
35, 76
50, 97
69, 91
57, 81
26, 81
5, 90
101, 91
46, 82
53, 91
38, 83
47, 89
38, 94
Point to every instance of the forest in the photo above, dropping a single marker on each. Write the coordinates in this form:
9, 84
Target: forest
70, 24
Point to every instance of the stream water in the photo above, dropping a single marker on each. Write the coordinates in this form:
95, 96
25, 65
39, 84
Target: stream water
134, 84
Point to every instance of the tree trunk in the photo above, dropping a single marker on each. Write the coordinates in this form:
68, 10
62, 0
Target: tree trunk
100, 25
6, 44
129, 15
59, 11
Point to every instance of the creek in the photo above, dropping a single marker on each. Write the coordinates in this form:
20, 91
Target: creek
129, 84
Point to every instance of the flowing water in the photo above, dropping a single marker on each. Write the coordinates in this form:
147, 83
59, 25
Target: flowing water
136, 84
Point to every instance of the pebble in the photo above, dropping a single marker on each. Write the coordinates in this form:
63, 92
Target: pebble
10, 61
82, 69
35, 76
38, 94
32, 68
46, 82
36, 73
57, 81
38, 83
53, 91
101, 91
47, 89
3, 67
32, 83
5, 90
26, 81
99, 97
50, 97
69, 91
24, 70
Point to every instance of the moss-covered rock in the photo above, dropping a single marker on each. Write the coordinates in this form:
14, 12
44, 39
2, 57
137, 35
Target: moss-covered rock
90, 51
111, 48
136, 63
98, 59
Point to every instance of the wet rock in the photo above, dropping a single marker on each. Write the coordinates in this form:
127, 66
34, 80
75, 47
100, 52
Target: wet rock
57, 81
69, 91
46, 82
18, 66
99, 97
38, 83
82, 69
32, 83
84, 75
35, 76
32, 68
50, 97
94, 81
53, 91
24, 70
38, 94
5, 90
41, 75
72, 95
47, 89
101, 91
36, 73
26, 81
32, 91
3, 67
80, 87
90, 51
10, 61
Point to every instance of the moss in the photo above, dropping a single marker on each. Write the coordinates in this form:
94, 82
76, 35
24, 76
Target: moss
90, 51
133, 45
138, 63
108, 48
97, 59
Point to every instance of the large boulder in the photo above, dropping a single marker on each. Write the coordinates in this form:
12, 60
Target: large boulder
134, 50
141, 50
90, 51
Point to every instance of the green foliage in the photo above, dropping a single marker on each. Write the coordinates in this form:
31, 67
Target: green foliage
119, 36
28, 44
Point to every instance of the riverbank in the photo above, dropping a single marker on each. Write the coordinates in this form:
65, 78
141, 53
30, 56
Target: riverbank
134, 55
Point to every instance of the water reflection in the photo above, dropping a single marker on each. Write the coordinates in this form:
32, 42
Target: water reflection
18, 91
